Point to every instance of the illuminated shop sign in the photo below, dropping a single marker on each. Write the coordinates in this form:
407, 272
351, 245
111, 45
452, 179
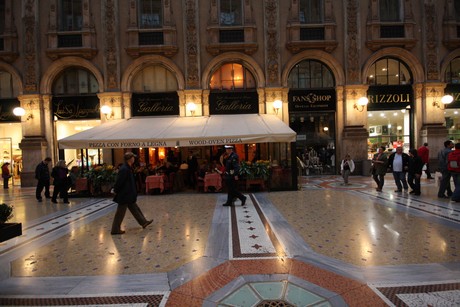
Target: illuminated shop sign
77, 107
233, 103
155, 104
389, 97
312, 100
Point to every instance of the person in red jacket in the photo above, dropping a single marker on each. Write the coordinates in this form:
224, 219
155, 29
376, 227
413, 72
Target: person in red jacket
6, 174
453, 166
424, 153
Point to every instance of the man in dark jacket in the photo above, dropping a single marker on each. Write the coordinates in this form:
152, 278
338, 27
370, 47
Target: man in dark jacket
398, 163
442, 165
126, 196
415, 171
42, 174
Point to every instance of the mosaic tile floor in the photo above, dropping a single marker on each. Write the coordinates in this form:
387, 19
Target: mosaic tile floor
326, 244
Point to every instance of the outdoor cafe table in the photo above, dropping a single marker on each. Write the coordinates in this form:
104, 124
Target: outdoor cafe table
212, 180
154, 182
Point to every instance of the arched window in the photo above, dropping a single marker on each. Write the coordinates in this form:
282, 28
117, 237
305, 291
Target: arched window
2, 16
232, 76
71, 15
453, 72
389, 71
310, 74
311, 11
154, 79
7, 87
390, 10
150, 14
75, 81
231, 12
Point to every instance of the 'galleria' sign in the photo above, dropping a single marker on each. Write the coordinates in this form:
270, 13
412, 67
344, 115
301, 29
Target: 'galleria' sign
234, 103
154, 104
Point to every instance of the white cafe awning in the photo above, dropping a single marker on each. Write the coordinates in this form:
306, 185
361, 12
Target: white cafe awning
182, 131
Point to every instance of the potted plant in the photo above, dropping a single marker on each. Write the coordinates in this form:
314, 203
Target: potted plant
255, 173
257, 170
8, 230
101, 178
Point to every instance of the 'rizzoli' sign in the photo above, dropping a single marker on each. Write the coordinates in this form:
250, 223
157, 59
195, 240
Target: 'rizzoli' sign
389, 97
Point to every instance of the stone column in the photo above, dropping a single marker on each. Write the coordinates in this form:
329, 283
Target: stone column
34, 144
433, 130
355, 134
113, 100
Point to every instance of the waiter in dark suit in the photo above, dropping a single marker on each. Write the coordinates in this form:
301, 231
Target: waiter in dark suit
232, 168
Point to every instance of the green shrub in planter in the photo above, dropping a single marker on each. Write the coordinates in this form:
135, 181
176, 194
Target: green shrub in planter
6, 212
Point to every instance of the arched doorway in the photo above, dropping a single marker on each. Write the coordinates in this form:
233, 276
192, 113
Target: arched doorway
312, 115
390, 107
76, 108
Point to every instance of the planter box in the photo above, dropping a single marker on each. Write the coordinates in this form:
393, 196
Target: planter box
10, 230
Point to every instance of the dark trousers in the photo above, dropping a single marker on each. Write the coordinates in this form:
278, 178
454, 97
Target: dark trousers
427, 170
40, 185
456, 194
232, 186
120, 215
379, 179
62, 190
400, 180
414, 182
5, 182
445, 184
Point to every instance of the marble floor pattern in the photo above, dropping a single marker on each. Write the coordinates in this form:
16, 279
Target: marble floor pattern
324, 245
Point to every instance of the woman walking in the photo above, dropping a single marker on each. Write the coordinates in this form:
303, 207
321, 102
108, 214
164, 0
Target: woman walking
346, 168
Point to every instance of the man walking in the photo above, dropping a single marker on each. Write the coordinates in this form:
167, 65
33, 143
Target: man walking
232, 168
424, 154
42, 174
398, 163
445, 178
126, 196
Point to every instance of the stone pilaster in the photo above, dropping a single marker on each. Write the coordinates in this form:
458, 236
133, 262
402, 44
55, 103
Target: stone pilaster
272, 43
355, 134
34, 145
110, 13
191, 44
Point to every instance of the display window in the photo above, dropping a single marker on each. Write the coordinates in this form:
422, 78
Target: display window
389, 111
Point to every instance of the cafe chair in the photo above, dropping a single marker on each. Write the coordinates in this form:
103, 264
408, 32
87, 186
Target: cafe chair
199, 183
169, 183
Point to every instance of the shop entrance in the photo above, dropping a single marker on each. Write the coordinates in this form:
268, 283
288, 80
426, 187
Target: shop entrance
315, 144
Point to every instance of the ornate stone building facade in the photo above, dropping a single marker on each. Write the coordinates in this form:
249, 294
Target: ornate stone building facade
61, 60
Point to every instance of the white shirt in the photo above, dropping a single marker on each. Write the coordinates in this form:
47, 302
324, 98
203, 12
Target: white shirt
397, 163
